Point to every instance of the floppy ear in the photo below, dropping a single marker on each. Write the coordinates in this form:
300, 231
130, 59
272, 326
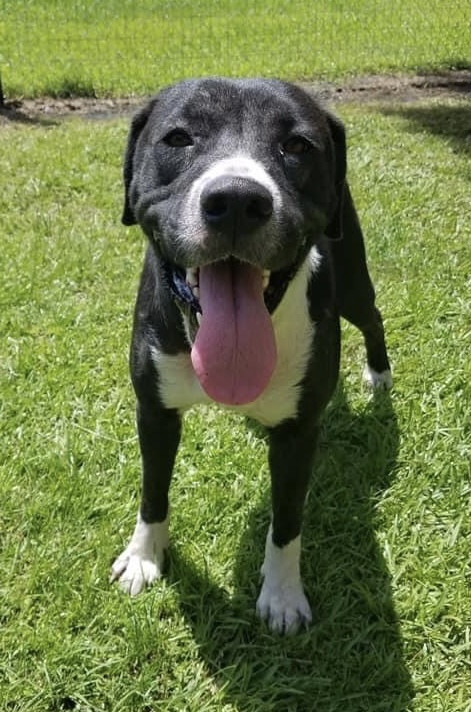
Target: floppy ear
334, 229
137, 125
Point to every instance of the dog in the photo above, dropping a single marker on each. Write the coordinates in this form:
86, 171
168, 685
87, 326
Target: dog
254, 252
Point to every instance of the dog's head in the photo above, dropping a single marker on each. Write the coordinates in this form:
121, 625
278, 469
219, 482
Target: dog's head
233, 181
250, 169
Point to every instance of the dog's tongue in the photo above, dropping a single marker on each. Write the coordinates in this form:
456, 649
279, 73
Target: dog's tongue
234, 352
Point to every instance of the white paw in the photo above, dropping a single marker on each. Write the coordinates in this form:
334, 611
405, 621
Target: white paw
282, 602
142, 561
134, 573
376, 380
286, 609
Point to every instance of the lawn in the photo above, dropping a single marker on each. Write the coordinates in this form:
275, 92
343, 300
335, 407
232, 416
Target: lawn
385, 545
116, 47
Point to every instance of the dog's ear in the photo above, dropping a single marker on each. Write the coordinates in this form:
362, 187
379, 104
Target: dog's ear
334, 229
137, 125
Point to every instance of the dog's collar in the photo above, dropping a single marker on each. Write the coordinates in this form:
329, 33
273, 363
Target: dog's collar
176, 278
181, 291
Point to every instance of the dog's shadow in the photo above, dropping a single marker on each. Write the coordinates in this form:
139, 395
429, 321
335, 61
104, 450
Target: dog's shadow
351, 658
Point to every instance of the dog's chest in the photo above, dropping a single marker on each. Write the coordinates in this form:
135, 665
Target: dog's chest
294, 333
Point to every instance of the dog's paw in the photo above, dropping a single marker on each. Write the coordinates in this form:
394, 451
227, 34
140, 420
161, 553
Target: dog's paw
134, 573
141, 563
282, 602
375, 380
285, 609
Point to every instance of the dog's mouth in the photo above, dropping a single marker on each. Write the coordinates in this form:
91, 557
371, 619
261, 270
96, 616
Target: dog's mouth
192, 286
233, 348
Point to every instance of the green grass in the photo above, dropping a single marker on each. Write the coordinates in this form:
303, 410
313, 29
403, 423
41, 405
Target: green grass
116, 47
385, 544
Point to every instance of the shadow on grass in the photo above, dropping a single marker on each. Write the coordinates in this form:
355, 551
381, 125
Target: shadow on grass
451, 122
351, 658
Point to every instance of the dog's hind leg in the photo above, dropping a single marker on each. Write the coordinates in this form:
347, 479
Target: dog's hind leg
377, 371
356, 296
367, 318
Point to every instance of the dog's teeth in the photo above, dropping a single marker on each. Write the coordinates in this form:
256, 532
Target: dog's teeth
192, 276
196, 291
198, 318
266, 278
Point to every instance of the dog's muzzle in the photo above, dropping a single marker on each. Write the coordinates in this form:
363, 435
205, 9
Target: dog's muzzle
235, 205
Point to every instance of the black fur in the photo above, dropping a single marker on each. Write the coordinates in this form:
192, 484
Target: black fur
161, 165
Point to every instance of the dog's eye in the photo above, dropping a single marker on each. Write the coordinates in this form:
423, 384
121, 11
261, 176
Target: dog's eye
178, 138
296, 145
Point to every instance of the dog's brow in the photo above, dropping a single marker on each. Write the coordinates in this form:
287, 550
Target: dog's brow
204, 117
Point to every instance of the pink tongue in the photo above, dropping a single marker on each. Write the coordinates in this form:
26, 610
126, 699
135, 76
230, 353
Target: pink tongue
234, 353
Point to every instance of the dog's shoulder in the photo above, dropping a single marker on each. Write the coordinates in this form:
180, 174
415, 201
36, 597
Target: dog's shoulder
157, 318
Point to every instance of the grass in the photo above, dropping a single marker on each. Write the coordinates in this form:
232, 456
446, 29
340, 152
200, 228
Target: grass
116, 47
385, 546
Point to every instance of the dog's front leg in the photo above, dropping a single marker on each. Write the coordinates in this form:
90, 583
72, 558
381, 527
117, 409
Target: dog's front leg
282, 601
142, 561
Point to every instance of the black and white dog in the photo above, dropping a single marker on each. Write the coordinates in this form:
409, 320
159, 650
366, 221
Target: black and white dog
255, 249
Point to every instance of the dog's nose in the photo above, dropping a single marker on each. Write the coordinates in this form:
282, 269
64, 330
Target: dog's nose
236, 203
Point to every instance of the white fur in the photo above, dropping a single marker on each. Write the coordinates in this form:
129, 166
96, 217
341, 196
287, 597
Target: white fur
373, 379
282, 601
142, 561
193, 228
294, 331
178, 386
240, 166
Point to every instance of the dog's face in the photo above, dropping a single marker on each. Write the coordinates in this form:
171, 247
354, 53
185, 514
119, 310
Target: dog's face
249, 169
233, 181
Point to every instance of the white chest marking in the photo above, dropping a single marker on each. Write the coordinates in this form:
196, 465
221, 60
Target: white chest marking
294, 331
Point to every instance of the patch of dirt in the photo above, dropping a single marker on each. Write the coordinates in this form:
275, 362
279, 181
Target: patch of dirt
370, 88
397, 88
49, 110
